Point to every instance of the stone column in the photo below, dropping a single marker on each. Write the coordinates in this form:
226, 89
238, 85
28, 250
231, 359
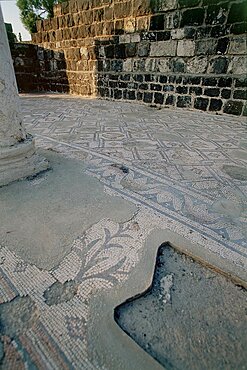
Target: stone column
17, 152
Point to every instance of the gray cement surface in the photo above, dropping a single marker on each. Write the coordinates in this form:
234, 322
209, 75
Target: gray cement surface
191, 318
41, 217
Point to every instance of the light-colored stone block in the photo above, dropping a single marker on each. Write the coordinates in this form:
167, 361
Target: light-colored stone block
237, 46
127, 65
197, 65
163, 48
177, 34
163, 65
186, 48
129, 25
238, 65
124, 39
149, 64
135, 37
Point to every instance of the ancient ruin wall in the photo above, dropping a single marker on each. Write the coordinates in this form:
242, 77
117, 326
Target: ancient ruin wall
184, 53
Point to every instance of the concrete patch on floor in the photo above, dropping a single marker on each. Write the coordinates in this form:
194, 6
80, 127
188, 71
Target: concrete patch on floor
126, 353
17, 316
59, 293
41, 217
191, 318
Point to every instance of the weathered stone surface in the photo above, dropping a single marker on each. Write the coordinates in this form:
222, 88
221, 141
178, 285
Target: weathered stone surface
187, 38
237, 65
186, 48
237, 45
197, 65
201, 103
233, 107
206, 47
178, 34
163, 48
192, 17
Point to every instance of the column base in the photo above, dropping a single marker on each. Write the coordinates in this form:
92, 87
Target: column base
20, 161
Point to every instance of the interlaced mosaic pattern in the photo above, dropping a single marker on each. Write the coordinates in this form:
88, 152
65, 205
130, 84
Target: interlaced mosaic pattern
173, 165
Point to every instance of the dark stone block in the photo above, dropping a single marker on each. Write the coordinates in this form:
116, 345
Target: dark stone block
138, 78
178, 65
245, 110
215, 105
139, 95
184, 101
233, 107
163, 36
216, 14
122, 85
239, 28
212, 92
113, 77
104, 92
100, 65
195, 90
143, 86
157, 22
163, 79
148, 36
237, 13
117, 65
113, 84
194, 80
189, 32
120, 51
209, 81
172, 79
203, 32
109, 51
181, 89
168, 88
241, 82
192, 17
131, 95
219, 65
170, 100
143, 49
118, 94
201, 103
225, 93
155, 87
225, 82
150, 78
130, 50
148, 97
158, 98
188, 4
125, 77
218, 31
222, 45
61, 64
240, 94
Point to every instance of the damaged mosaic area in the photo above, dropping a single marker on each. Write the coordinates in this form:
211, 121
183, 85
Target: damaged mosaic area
171, 165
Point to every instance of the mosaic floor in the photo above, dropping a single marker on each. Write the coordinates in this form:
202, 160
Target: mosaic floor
185, 171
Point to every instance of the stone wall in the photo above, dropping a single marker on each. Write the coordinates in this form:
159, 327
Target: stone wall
184, 53
39, 69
